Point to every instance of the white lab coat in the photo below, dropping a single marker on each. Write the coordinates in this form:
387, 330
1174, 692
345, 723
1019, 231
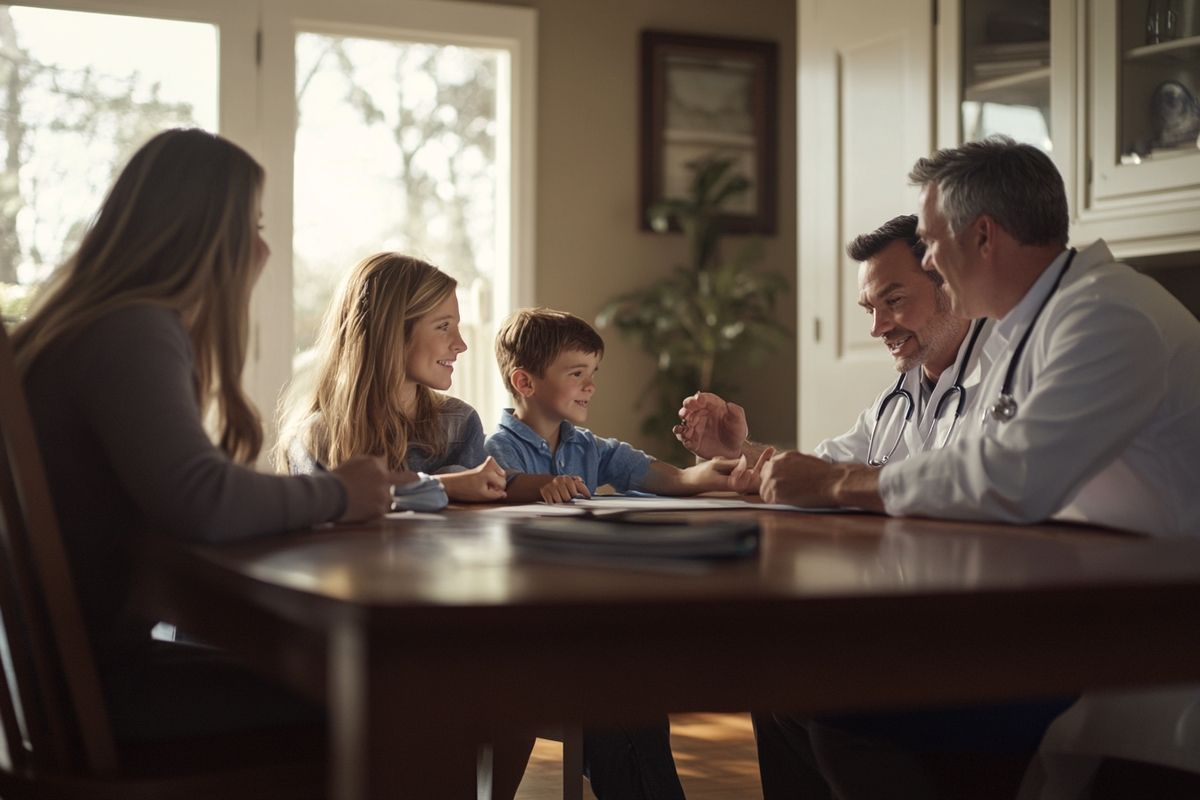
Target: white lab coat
1107, 428
918, 436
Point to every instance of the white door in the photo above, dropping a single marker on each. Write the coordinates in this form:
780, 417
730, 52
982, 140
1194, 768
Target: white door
866, 114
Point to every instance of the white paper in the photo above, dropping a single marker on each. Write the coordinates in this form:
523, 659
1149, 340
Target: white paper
537, 510
616, 503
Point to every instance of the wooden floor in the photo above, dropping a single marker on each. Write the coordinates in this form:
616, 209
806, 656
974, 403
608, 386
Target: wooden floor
714, 753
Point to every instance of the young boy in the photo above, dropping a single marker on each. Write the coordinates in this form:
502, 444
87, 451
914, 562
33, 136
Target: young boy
548, 360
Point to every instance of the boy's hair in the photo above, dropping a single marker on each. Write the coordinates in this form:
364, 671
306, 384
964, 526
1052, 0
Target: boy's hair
530, 339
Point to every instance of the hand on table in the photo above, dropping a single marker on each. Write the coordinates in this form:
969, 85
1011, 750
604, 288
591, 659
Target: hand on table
798, 480
482, 484
368, 483
747, 479
563, 489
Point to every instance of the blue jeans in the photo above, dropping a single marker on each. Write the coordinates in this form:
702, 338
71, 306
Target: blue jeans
855, 756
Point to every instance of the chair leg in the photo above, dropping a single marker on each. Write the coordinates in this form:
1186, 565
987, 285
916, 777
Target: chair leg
484, 768
572, 762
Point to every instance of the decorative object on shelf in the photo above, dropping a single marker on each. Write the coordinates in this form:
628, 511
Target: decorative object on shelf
703, 96
1171, 19
1174, 116
707, 314
1157, 13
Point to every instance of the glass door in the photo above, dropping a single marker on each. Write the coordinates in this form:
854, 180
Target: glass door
1005, 70
1145, 100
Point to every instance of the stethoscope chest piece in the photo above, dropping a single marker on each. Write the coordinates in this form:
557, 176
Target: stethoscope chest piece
1004, 408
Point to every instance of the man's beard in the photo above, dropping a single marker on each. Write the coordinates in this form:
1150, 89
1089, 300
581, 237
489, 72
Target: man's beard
941, 331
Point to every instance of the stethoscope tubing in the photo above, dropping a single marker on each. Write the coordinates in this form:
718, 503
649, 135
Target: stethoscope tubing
1005, 407
900, 393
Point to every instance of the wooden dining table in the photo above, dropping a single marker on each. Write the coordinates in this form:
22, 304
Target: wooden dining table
426, 636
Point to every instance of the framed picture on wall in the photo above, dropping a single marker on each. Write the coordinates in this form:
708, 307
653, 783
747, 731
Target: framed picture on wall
704, 96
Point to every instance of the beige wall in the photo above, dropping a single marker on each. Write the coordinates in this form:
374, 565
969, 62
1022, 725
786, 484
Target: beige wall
589, 246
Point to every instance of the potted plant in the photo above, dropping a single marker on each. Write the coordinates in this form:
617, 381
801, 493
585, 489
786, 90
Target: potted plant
708, 313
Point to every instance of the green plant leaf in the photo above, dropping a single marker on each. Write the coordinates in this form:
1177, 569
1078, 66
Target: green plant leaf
704, 316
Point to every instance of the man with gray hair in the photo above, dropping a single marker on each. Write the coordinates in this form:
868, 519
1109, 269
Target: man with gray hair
1092, 410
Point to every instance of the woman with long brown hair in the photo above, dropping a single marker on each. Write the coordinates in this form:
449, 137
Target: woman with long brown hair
140, 336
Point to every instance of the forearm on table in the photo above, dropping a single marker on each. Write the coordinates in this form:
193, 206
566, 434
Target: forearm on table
526, 487
855, 486
750, 449
668, 479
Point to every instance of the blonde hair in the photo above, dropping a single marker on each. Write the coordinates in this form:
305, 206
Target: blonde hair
176, 231
531, 338
355, 407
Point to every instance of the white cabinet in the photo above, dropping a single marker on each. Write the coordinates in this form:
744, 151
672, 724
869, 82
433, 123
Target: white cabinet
1140, 150
1117, 83
994, 71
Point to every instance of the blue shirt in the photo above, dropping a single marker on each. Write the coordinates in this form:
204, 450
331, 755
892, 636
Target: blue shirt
517, 448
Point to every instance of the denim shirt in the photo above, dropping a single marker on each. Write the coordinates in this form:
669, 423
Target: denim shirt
518, 449
464, 443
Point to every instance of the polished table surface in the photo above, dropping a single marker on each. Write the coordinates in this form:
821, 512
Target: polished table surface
421, 633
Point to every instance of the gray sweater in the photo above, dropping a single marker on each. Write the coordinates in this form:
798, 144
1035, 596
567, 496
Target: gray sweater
119, 427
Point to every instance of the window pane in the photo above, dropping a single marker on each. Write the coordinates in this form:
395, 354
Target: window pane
396, 150
1006, 71
75, 107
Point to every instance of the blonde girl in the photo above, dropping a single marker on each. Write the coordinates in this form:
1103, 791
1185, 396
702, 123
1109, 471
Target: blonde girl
388, 347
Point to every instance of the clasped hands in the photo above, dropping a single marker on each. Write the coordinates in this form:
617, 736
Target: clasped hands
715, 429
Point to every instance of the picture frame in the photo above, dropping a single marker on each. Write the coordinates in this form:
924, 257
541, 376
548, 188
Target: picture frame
705, 95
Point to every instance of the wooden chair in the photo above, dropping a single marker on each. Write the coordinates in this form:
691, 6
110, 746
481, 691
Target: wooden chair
53, 716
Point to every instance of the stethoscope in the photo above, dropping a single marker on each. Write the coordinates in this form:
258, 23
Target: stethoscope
901, 395
1005, 407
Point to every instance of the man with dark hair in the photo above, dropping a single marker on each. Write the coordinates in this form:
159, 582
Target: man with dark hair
940, 357
938, 362
1093, 409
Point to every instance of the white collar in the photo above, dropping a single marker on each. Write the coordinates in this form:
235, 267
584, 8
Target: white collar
1024, 310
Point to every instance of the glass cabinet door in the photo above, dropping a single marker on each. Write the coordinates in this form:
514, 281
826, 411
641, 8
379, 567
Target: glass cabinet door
1005, 70
1146, 99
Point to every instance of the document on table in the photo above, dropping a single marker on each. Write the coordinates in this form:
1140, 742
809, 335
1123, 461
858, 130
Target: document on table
611, 505
618, 504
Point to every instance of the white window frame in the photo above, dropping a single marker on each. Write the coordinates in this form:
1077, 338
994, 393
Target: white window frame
237, 25
511, 29
256, 109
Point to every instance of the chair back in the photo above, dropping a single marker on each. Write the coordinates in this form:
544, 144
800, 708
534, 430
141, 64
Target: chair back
52, 710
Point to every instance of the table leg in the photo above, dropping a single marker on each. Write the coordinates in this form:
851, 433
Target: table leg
390, 740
